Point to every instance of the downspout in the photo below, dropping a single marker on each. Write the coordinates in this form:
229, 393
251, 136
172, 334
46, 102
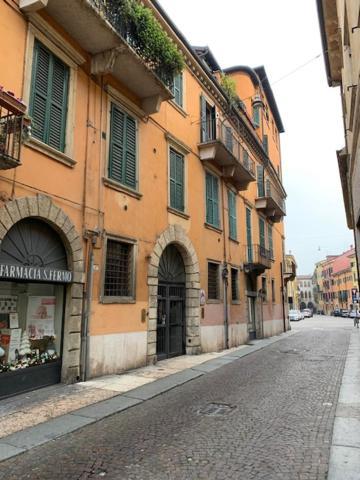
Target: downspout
224, 275
282, 295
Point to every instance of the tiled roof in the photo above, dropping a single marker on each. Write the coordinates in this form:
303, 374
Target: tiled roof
342, 262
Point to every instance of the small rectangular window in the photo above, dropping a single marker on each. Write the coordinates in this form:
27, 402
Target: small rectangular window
263, 287
176, 180
273, 290
212, 200
213, 281
118, 281
235, 285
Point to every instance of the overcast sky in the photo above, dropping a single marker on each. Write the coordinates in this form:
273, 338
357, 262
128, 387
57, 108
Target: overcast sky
282, 35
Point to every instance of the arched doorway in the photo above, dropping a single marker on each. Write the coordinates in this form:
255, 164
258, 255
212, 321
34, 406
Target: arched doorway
170, 337
33, 274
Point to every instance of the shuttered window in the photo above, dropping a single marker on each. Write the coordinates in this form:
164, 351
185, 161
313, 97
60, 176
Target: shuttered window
208, 121
256, 115
273, 296
122, 154
213, 281
177, 89
118, 280
266, 144
235, 285
249, 236
49, 97
212, 200
232, 215
262, 233
176, 180
270, 242
260, 181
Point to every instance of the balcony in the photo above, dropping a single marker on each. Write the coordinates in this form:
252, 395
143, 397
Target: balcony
258, 259
271, 203
222, 149
11, 128
99, 30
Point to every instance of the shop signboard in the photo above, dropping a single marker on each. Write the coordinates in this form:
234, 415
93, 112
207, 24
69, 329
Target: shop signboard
33, 274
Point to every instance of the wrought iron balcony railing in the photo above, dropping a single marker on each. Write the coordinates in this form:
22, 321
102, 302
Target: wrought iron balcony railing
258, 258
220, 145
11, 129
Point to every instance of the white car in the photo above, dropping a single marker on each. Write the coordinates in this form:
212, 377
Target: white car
307, 313
295, 315
354, 314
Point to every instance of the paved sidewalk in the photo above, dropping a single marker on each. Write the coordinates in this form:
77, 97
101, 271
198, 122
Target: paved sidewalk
32, 419
345, 448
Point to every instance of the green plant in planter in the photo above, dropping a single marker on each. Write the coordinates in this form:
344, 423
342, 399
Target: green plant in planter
229, 86
144, 33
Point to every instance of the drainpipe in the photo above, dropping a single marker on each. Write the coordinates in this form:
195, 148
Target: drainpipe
87, 308
282, 295
224, 275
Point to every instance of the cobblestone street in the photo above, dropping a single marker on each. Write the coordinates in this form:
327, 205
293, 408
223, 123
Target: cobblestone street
268, 416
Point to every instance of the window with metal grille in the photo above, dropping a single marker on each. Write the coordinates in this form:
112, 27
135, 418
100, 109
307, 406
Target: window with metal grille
235, 285
213, 281
118, 269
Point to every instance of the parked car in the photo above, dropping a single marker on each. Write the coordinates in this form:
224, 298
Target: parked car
295, 315
336, 312
354, 314
307, 312
344, 313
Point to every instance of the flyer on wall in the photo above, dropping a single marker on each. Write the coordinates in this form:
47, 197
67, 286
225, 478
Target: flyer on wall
41, 317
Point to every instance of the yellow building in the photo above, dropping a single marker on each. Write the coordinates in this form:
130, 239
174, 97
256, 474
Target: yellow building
159, 202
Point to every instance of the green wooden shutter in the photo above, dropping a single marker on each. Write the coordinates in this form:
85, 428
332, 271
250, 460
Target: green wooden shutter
130, 152
260, 181
203, 135
256, 115
262, 233
212, 200
266, 144
177, 89
232, 214
209, 200
246, 159
116, 153
176, 180
270, 241
122, 153
49, 97
249, 235
58, 105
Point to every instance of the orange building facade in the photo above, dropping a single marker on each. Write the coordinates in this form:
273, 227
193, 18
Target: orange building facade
138, 221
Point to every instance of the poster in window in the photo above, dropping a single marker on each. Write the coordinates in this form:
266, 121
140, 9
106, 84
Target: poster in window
41, 317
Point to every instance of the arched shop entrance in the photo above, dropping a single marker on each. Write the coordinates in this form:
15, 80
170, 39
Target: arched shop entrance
36, 284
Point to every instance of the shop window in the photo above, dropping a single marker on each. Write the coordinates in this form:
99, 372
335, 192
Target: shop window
119, 271
235, 297
123, 146
213, 281
49, 97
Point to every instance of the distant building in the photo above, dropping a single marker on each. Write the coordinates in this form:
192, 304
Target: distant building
290, 281
340, 34
304, 285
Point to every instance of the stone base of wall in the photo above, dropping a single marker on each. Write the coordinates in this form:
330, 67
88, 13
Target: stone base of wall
116, 353
212, 338
273, 327
238, 334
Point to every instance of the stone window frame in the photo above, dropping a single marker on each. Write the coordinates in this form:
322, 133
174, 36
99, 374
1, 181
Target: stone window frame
40, 30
